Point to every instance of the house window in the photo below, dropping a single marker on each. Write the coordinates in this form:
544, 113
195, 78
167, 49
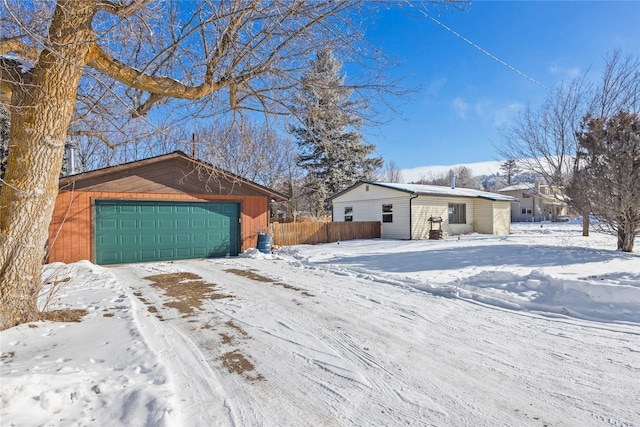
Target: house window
457, 213
526, 211
387, 213
348, 213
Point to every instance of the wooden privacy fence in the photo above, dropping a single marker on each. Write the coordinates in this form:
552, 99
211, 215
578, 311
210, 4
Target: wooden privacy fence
312, 233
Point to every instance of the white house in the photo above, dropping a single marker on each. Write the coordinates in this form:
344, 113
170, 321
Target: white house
405, 210
536, 202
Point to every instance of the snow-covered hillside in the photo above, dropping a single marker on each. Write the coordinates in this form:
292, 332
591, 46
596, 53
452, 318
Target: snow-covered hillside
478, 169
541, 327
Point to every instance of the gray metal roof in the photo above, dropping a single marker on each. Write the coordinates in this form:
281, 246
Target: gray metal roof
436, 190
518, 187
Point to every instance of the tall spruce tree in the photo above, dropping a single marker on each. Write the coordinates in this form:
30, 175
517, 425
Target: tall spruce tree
511, 169
333, 152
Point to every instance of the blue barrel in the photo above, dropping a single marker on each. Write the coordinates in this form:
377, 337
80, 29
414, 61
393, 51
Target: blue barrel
264, 243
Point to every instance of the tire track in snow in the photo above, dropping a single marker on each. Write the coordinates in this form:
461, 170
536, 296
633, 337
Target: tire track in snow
199, 393
456, 370
346, 382
388, 398
523, 369
398, 404
407, 316
336, 366
259, 398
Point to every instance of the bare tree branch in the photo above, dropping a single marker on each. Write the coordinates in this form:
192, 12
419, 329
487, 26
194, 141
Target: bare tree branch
24, 50
122, 10
105, 63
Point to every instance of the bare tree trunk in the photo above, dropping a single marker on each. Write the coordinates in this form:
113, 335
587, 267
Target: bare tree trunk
41, 112
585, 224
626, 234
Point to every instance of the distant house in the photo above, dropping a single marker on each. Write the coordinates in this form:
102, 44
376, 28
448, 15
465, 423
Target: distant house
536, 202
162, 208
405, 210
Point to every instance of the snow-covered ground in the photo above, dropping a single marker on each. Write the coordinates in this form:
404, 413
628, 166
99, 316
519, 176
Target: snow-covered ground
541, 327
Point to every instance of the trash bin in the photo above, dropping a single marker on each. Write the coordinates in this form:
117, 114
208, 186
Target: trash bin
264, 243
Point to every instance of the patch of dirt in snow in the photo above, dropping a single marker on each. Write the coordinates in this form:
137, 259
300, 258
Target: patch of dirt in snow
8, 356
188, 293
150, 307
237, 363
250, 274
69, 315
235, 327
230, 338
187, 290
51, 289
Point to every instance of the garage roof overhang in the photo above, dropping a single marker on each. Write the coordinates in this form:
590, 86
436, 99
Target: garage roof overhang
106, 174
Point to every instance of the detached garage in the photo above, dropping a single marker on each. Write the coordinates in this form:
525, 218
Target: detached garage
405, 210
163, 208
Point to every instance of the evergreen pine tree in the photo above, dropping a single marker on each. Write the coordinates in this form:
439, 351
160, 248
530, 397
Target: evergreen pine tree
332, 150
510, 169
607, 175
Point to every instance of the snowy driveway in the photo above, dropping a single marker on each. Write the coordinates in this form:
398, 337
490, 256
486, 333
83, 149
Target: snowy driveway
357, 334
330, 342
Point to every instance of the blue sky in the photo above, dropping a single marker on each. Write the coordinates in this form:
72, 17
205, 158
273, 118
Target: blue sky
465, 96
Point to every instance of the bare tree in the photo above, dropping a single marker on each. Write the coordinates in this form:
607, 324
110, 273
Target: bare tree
544, 140
391, 173
249, 149
619, 86
70, 56
608, 173
464, 177
460, 176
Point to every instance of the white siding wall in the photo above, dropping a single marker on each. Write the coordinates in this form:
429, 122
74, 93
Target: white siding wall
492, 217
484, 216
426, 206
501, 218
367, 206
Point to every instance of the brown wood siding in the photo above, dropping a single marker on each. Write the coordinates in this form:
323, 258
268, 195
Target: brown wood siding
173, 176
71, 229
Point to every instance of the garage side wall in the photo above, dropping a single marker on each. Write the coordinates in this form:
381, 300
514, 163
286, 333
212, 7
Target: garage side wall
71, 229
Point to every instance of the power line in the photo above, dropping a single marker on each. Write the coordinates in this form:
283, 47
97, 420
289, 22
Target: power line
489, 54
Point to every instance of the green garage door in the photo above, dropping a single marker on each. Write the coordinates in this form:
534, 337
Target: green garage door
140, 231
